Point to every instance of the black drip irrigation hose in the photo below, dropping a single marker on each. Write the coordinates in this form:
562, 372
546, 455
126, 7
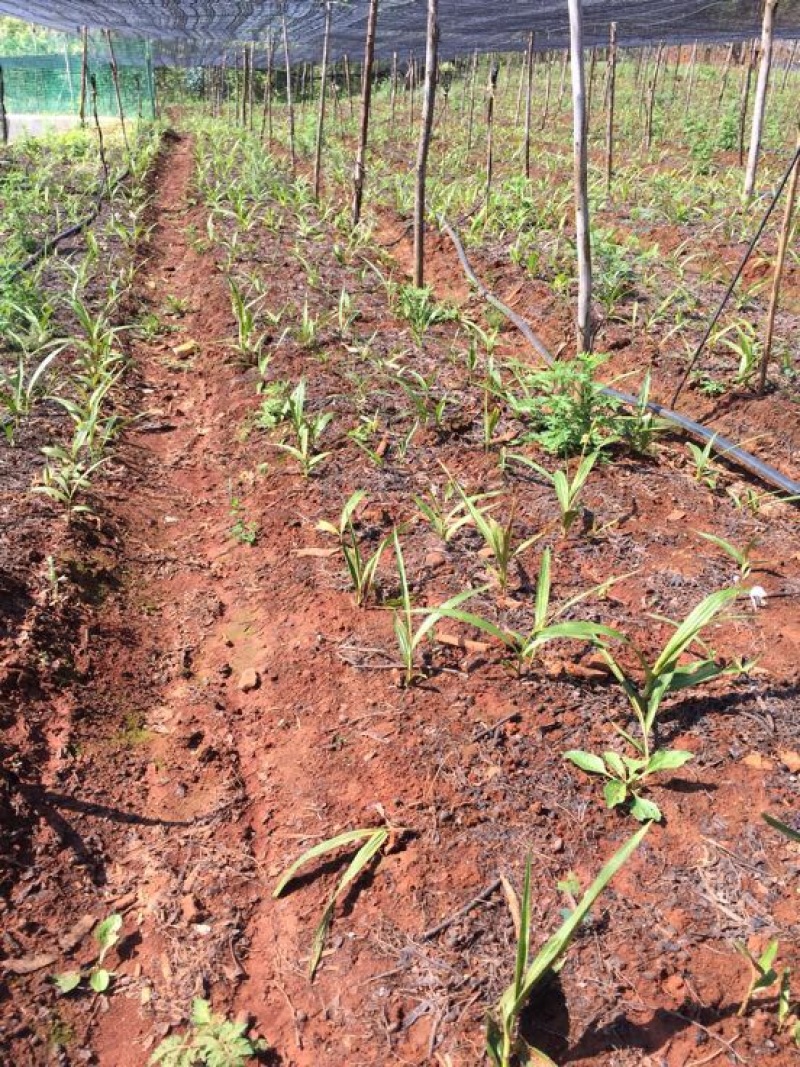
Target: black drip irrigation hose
725, 448
51, 243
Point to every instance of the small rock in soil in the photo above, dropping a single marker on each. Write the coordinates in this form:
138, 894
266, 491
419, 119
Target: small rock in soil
249, 680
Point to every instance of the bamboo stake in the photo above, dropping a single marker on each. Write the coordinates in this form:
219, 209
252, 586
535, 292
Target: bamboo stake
528, 104
690, 83
431, 58
651, 101
783, 244
347, 84
251, 86
473, 80
760, 102
581, 177
676, 72
412, 81
494, 71
789, 65
323, 86
725, 72
562, 86
4, 133
547, 89
590, 90
747, 78
115, 79
100, 140
394, 88
84, 75
523, 73
612, 94
289, 102
359, 173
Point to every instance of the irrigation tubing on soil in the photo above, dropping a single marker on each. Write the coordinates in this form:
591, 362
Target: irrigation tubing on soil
724, 448
51, 243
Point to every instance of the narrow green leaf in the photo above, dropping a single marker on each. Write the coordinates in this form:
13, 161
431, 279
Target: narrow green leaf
781, 827
321, 849
542, 591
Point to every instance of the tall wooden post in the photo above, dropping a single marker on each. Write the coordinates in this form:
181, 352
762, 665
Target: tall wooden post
725, 72
528, 104
547, 89
431, 64
359, 172
651, 99
393, 104
471, 118
780, 261
84, 75
323, 84
3, 113
581, 177
612, 95
760, 103
494, 71
747, 78
115, 78
289, 99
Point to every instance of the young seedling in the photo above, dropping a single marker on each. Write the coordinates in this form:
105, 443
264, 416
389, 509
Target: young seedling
567, 490
546, 627
742, 557
248, 341
498, 537
764, 975
361, 568
504, 1045
308, 430
626, 776
212, 1041
372, 841
99, 979
246, 533
19, 390
446, 522
409, 638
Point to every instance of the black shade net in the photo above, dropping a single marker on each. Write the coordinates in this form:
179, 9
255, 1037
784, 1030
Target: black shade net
199, 31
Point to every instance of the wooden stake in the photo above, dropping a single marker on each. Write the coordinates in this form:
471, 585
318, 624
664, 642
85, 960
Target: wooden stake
115, 79
725, 72
494, 71
612, 93
760, 103
528, 104
523, 78
692, 69
562, 86
323, 85
84, 75
394, 88
789, 65
473, 80
347, 84
251, 86
783, 244
590, 90
431, 63
747, 78
581, 178
100, 141
266, 104
651, 100
359, 173
676, 72
547, 89
289, 102
3, 113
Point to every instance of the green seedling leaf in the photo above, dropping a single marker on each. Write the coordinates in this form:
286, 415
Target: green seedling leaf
107, 933
67, 981
615, 793
781, 827
100, 980
645, 810
322, 849
587, 761
668, 760
615, 764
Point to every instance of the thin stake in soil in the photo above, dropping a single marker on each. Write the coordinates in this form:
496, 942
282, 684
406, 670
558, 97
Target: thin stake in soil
84, 75
780, 261
581, 178
612, 94
289, 103
760, 104
115, 79
431, 63
3, 113
323, 84
359, 172
528, 103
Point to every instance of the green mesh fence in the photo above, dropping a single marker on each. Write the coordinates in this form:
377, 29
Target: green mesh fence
49, 82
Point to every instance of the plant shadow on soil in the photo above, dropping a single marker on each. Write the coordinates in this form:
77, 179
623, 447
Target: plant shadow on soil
547, 1020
